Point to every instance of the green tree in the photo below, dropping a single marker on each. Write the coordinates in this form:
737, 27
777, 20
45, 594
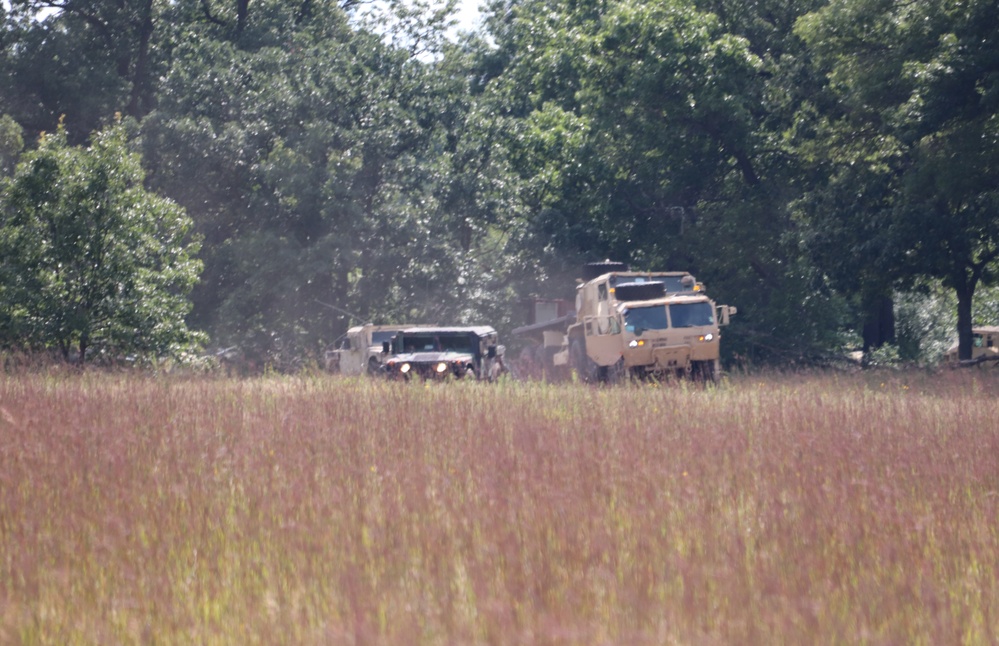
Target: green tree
326, 167
910, 142
82, 61
90, 261
11, 144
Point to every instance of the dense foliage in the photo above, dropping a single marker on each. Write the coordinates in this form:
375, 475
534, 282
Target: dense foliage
91, 261
815, 163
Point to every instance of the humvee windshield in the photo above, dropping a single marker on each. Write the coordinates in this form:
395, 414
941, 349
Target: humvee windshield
691, 314
639, 319
436, 343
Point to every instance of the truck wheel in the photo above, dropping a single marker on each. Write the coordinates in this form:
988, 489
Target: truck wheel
704, 372
585, 369
617, 373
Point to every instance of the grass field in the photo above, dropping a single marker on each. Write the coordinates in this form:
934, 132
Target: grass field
798, 509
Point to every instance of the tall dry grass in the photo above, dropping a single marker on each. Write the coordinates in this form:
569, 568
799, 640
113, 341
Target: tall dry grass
783, 509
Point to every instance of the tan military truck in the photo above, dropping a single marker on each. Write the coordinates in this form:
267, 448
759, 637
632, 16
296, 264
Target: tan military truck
984, 347
638, 324
359, 350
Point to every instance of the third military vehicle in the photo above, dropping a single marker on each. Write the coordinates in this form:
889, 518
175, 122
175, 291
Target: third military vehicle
984, 347
359, 350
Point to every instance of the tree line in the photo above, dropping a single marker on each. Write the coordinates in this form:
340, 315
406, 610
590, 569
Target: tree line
265, 174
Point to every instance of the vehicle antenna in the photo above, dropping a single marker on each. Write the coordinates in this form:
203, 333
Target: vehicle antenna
337, 309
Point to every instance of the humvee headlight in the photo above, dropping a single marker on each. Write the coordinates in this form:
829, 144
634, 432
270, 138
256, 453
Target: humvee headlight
404, 368
441, 367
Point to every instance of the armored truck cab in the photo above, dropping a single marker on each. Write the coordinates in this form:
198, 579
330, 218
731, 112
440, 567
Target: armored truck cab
632, 323
674, 335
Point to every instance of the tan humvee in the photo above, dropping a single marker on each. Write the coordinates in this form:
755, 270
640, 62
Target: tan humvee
471, 352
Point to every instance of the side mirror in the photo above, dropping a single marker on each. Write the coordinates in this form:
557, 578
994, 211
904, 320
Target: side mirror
386, 347
491, 352
725, 313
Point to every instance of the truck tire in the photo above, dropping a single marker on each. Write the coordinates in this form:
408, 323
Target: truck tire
586, 370
615, 374
704, 372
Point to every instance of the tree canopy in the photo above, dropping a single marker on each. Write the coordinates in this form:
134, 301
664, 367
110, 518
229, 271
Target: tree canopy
809, 160
912, 143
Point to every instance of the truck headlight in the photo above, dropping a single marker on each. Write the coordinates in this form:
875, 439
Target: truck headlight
404, 368
707, 337
441, 367
636, 343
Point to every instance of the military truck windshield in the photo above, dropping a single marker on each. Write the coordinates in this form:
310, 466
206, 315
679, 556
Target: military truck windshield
673, 284
639, 319
691, 314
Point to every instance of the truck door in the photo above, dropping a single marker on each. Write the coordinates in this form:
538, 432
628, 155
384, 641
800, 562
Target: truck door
603, 339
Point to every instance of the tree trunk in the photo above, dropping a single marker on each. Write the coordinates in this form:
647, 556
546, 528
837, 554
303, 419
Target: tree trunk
965, 294
141, 95
242, 15
879, 324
